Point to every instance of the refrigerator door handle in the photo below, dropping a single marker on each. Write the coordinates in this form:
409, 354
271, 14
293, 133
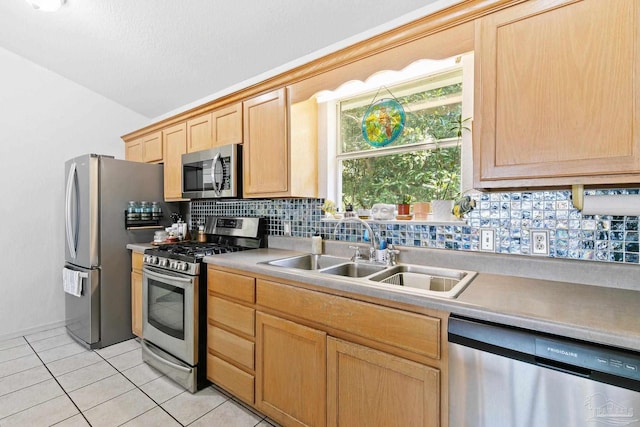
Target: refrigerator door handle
70, 227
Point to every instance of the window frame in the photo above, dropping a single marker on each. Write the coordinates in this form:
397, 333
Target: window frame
330, 176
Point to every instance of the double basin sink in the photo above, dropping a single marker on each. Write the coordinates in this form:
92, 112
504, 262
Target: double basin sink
407, 278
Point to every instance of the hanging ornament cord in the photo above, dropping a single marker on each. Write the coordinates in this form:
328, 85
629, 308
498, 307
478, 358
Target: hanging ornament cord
378, 92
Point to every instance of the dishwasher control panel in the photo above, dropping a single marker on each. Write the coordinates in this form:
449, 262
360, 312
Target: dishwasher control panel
588, 357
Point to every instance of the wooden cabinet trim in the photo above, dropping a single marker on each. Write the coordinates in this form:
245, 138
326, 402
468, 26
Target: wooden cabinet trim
403, 330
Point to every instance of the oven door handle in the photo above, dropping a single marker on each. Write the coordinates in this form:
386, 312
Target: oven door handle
165, 277
162, 360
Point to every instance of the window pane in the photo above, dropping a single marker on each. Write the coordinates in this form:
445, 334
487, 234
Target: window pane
429, 106
386, 179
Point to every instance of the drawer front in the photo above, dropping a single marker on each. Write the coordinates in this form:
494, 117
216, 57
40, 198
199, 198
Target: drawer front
136, 261
408, 331
232, 315
238, 382
236, 286
231, 346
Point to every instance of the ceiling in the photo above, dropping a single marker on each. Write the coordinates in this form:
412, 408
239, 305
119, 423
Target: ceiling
157, 56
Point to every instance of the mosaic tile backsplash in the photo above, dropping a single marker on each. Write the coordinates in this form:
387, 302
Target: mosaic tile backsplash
513, 215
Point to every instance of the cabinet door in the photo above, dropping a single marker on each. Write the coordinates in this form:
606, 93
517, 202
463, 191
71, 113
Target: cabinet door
175, 145
133, 150
152, 148
199, 133
266, 147
557, 93
136, 303
366, 387
290, 372
226, 125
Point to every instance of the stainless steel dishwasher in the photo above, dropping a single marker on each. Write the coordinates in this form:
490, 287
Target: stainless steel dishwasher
501, 376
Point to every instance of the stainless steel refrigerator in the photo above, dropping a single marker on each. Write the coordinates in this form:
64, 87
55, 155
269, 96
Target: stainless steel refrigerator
97, 192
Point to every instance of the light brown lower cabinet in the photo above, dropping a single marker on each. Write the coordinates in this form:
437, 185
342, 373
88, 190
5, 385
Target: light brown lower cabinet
290, 372
308, 358
366, 387
136, 293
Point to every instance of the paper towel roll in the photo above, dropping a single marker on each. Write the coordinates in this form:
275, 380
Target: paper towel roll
618, 205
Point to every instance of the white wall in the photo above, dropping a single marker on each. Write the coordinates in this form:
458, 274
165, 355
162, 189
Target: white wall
45, 119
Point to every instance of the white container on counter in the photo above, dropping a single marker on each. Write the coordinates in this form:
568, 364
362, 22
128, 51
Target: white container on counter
316, 245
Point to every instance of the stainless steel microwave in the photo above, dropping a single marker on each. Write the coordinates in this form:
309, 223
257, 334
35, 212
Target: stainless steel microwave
212, 173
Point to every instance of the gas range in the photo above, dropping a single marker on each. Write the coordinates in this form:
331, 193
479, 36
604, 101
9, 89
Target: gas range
224, 235
174, 297
185, 257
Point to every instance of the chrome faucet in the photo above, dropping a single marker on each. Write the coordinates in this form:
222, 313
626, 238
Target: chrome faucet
392, 254
372, 237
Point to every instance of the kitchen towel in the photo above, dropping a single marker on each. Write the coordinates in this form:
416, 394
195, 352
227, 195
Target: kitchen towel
72, 281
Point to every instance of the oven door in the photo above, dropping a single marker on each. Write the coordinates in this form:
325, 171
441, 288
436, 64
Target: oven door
170, 312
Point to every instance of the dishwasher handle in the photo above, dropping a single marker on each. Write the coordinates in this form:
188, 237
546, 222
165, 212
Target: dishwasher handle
563, 367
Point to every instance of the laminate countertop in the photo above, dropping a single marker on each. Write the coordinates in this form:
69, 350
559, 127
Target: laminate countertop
584, 311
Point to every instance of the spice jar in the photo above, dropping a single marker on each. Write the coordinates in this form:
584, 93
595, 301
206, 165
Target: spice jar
132, 211
202, 237
145, 211
156, 211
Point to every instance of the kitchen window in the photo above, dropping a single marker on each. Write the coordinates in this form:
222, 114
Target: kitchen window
360, 174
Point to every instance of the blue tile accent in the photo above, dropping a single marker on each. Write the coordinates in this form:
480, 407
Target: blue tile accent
513, 215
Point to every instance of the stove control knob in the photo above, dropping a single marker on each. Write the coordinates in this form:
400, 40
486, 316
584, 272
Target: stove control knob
145, 258
153, 260
164, 262
184, 267
173, 265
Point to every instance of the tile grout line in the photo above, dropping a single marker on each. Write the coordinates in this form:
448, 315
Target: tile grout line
57, 382
142, 391
228, 397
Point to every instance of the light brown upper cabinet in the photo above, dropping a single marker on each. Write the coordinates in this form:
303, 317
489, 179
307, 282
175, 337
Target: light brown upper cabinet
557, 94
199, 133
147, 149
133, 150
280, 156
152, 148
226, 125
174, 139
219, 127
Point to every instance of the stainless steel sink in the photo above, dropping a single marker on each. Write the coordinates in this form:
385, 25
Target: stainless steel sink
308, 262
405, 278
354, 269
442, 282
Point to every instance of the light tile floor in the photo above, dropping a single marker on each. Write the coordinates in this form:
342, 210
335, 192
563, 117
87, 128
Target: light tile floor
48, 379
